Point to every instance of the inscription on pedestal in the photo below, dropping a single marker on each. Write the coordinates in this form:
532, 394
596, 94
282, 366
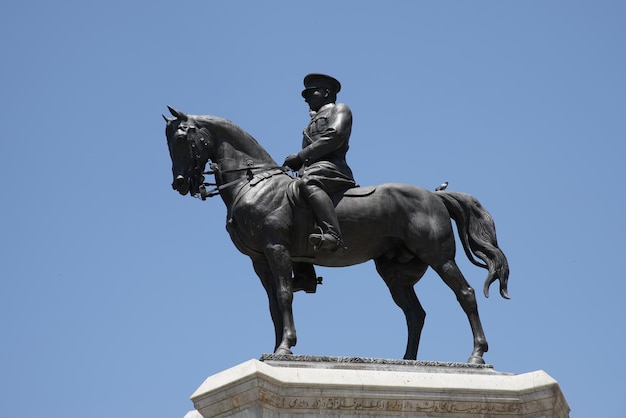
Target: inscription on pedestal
380, 405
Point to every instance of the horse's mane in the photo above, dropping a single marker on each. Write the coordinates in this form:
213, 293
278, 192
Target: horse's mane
245, 142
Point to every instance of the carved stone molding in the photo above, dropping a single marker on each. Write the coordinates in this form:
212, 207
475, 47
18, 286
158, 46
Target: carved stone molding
312, 386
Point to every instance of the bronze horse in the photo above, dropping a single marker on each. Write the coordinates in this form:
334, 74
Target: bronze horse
405, 229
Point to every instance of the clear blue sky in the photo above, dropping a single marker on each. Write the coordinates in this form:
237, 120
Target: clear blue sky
119, 297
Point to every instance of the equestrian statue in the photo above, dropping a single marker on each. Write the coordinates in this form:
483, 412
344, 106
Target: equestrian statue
287, 223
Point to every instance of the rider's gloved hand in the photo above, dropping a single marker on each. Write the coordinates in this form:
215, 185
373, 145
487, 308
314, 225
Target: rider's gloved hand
293, 161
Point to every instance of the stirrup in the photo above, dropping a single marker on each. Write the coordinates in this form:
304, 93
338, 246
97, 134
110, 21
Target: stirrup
326, 240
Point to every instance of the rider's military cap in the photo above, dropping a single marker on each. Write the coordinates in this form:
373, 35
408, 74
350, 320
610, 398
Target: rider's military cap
315, 81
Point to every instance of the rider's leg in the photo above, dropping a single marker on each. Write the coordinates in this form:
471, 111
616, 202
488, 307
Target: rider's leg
329, 236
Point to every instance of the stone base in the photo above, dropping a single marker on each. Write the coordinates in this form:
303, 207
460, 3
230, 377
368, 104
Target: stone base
308, 386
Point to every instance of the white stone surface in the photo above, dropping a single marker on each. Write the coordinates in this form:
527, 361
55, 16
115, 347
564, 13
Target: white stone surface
336, 389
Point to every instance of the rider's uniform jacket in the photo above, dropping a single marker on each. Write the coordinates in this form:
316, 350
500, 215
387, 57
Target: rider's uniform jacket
325, 143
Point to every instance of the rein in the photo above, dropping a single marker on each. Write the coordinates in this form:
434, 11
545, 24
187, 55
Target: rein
204, 193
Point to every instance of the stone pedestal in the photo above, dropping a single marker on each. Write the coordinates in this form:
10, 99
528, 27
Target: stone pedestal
306, 386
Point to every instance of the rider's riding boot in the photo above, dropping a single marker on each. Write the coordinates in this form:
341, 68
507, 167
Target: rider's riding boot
329, 235
326, 239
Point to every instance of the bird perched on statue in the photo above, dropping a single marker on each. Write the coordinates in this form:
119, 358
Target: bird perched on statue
442, 186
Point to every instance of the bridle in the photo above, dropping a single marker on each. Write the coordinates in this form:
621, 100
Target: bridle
196, 173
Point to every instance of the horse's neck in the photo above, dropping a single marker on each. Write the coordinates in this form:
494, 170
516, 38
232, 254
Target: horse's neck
237, 154
234, 160
235, 148
233, 171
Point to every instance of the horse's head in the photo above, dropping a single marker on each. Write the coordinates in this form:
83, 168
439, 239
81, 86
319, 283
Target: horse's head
189, 146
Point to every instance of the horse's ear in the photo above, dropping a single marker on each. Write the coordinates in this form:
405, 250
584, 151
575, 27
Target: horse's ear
167, 120
177, 114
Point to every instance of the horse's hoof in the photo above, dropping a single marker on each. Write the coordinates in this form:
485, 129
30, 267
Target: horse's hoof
283, 352
476, 360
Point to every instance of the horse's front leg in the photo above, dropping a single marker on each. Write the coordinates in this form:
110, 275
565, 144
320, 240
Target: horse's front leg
262, 269
279, 262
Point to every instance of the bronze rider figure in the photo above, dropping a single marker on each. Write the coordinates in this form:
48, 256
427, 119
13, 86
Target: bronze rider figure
321, 163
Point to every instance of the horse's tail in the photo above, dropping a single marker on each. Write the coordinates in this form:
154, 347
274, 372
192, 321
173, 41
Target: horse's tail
477, 232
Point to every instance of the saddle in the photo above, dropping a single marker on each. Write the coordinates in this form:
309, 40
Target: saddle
297, 201
304, 220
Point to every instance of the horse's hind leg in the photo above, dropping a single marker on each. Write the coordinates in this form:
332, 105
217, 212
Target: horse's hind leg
453, 277
400, 279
